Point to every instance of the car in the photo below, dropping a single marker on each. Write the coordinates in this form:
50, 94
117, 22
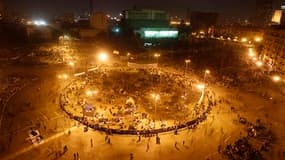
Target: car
34, 136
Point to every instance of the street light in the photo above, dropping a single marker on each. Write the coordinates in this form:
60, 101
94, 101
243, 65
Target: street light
155, 97
103, 57
187, 61
205, 74
156, 55
257, 39
251, 54
276, 78
201, 87
244, 39
259, 63
71, 64
207, 71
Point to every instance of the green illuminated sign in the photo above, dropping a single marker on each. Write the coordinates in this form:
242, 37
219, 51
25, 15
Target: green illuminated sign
161, 34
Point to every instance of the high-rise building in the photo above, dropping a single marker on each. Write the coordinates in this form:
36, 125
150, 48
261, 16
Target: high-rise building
138, 18
263, 12
273, 52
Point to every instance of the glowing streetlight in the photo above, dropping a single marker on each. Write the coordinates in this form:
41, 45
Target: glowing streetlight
156, 98
207, 71
205, 74
201, 87
259, 63
276, 78
257, 39
71, 64
40, 23
156, 55
116, 52
244, 39
103, 57
187, 61
251, 54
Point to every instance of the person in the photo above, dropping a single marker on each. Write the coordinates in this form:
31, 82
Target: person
219, 148
91, 141
175, 144
131, 156
106, 137
65, 148
109, 141
147, 147
74, 156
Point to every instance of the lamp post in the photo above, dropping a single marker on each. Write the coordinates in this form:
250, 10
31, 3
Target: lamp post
72, 65
102, 57
259, 64
201, 87
276, 78
156, 98
205, 74
187, 61
156, 55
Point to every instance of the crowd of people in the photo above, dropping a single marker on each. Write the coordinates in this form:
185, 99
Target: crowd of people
200, 112
245, 148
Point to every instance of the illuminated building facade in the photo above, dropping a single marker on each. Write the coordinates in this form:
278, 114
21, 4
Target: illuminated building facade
149, 25
273, 51
143, 18
239, 32
278, 17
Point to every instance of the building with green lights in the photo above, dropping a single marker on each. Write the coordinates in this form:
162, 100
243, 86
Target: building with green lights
157, 33
151, 26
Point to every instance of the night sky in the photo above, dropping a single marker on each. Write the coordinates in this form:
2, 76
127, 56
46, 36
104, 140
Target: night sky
44, 8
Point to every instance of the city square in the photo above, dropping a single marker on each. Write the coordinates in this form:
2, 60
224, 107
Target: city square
147, 83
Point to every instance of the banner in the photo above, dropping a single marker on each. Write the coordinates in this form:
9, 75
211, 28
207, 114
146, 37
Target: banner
142, 66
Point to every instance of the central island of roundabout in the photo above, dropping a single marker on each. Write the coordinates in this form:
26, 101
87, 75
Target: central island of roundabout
128, 100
